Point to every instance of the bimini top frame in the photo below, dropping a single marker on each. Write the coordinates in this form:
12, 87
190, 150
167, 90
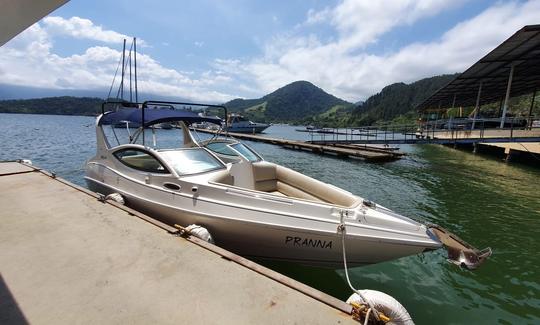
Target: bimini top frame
142, 114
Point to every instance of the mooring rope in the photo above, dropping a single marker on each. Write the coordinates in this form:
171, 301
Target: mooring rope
343, 230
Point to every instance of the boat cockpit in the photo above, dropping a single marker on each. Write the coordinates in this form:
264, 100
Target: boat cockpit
217, 160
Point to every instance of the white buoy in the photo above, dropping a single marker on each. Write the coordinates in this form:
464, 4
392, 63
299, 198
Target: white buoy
116, 197
385, 304
200, 232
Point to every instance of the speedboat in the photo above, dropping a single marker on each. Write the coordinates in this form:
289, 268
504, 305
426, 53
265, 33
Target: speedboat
238, 124
252, 207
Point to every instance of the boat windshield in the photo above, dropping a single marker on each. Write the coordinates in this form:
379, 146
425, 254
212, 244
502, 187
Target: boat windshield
232, 150
246, 152
238, 118
191, 161
221, 147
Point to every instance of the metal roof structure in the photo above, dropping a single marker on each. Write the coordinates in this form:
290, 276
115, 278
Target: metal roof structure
521, 50
17, 15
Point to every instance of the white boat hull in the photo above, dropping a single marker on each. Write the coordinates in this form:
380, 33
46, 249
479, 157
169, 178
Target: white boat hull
268, 235
253, 208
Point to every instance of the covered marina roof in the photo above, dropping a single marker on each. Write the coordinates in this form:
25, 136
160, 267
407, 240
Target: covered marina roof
522, 50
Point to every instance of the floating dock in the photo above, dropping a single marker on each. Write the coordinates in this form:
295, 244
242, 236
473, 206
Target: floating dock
67, 257
510, 147
365, 152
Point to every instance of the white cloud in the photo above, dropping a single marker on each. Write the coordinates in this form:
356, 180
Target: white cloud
343, 66
360, 22
82, 28
315, 17
29, 60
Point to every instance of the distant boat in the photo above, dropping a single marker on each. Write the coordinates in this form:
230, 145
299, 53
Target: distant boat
164, 126
127, 124
239, 124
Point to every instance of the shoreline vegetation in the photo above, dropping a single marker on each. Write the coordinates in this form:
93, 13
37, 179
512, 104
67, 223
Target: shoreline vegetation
298, 103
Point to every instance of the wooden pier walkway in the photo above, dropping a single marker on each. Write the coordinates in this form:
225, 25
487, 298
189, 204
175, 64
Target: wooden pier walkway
66, 258
367, 153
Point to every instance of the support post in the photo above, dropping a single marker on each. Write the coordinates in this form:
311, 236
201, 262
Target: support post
529, 118
477, 106
500, 106
507, 96
507, 154
451, 118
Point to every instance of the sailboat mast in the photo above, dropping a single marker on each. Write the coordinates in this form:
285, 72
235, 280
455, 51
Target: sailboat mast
130, 88
135, 57
123, 63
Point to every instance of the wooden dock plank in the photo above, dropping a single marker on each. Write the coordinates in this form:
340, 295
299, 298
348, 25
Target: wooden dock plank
67, 258
377, 154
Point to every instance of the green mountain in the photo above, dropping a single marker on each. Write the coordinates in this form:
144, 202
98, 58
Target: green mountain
299, 102
302, 102
396, 101
296, 102
65, 105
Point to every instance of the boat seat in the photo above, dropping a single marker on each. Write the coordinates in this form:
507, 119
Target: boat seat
278, 193
222, 177
269, 177
265, 177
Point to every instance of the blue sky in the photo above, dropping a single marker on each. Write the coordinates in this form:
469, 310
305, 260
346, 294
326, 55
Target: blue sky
219, 50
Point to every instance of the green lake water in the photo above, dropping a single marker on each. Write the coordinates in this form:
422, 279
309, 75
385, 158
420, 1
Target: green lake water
482, 199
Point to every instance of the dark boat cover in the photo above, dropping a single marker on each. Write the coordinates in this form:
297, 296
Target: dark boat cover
154, 115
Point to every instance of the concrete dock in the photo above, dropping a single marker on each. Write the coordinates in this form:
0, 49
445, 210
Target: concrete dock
66, 257
367, 153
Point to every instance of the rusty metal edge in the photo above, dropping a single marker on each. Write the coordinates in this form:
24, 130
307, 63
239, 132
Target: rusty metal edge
17, 173
276, 276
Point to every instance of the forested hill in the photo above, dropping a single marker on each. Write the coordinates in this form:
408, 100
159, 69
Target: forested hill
294, 102
396, 99
65, 105
298, 102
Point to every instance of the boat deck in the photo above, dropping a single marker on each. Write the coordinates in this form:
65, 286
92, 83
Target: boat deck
66, 257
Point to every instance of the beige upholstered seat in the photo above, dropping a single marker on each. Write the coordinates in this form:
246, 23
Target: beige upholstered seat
222, 177
270, 177
274, 179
